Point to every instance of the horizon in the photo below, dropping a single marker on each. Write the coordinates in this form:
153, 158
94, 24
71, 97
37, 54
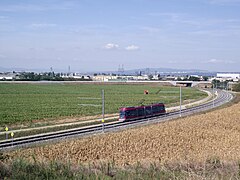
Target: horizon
158, 70
90, 35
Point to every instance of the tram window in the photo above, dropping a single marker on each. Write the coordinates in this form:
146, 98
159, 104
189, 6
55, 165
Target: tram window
162, 108
127, 113
122, 114
141, 112
148, 110
133, 113
155, 109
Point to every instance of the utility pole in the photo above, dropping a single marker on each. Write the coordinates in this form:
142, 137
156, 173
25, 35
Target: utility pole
213, 93
180, 101
103, 110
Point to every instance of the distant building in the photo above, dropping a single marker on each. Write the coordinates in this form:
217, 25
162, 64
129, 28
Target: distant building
75, 76
7, 76
119, 78
228, 76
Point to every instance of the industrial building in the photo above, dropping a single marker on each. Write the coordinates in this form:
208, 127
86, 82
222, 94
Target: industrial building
228, 76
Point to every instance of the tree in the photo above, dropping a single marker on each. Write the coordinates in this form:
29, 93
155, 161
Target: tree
179, 79
193, 78
205, 78
236, 87
215, 83
150, 76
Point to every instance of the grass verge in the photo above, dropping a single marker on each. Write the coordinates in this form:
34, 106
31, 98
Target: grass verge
212, 168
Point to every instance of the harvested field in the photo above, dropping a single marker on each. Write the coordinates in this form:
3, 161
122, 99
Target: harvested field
192, 139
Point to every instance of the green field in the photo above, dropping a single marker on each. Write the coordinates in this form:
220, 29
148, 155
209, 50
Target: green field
26, 102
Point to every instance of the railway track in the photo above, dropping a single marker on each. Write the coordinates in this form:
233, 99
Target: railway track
222, 98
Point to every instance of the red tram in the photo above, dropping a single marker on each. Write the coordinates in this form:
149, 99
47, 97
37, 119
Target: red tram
139, 112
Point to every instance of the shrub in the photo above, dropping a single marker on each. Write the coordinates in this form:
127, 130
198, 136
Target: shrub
236, 87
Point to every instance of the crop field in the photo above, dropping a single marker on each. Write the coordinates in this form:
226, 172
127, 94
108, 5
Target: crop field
213, 135
27, 102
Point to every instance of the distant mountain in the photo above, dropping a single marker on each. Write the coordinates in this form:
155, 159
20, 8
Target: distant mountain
2, 69
162, 71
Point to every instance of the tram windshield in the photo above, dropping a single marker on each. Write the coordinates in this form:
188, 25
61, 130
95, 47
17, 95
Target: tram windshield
122, 114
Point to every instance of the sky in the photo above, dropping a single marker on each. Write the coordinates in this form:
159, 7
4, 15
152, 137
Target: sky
100, 35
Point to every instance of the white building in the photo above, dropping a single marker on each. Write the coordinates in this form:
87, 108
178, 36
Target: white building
228, 76
7, 76
119, 78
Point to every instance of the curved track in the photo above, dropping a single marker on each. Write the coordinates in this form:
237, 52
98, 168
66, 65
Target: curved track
222, 98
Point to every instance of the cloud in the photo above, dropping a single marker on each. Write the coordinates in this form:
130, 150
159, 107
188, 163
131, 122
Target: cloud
151, 29
33, 7
213, 61
3, 17
20, 7
42, 25
132, 48
218, 61
172, 20
2, 56
223, 2
166, 14
110, 46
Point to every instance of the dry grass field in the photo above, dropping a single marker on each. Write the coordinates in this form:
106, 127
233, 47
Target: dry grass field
192, 139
